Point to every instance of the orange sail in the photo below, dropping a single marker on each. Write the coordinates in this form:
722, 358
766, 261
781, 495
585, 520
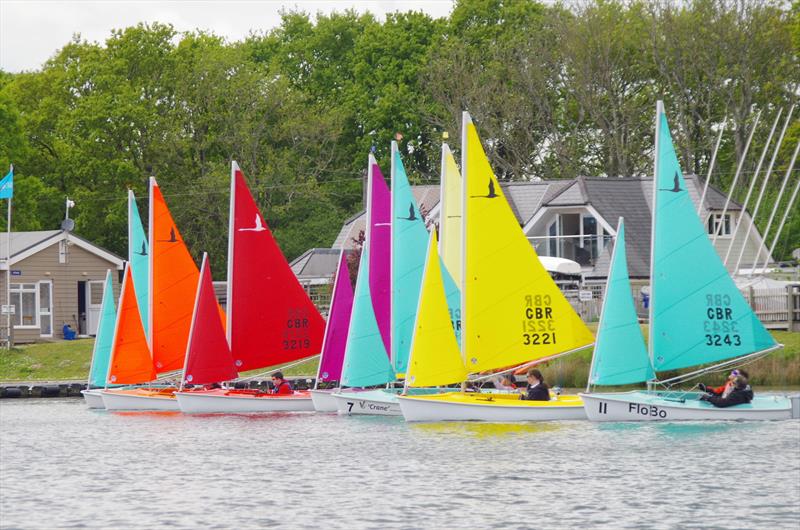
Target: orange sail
131, 361
173, 282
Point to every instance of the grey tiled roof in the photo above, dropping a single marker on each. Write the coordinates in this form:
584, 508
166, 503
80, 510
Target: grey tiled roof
316, 263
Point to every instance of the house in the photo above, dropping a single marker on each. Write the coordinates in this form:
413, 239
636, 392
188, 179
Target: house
577, 219
57, 278
315, 269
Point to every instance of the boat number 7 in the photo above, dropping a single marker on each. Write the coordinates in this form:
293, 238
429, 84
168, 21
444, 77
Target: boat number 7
603, 408
349, 406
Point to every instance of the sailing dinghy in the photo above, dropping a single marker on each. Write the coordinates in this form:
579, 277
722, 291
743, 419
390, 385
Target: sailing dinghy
101, 353
512, 312
696, 318
131, 362
335, 340
407, 237
172, 275
270, 318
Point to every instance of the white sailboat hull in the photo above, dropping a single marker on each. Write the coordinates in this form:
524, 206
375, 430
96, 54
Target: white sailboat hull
470, 409
93, 398
128, 401
369, 403
218, 402
644, 406
323, 400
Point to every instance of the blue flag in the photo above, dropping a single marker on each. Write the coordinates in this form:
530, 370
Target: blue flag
7, 185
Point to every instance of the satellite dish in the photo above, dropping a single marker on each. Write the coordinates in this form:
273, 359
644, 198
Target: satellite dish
68, 225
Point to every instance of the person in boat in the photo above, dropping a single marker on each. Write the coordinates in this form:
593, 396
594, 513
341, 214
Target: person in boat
725, 389
537, 388
737, 393
505, 382
280, 385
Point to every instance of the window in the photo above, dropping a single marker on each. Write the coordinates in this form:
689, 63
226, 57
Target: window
33, 306
590, 235
714, 222
552, 242
24, 299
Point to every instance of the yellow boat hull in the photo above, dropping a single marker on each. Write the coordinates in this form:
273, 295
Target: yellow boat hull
460, 406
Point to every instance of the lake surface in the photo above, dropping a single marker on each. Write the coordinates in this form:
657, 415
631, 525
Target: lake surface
64, 466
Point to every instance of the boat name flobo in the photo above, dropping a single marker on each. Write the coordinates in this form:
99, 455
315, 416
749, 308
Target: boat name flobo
644, 410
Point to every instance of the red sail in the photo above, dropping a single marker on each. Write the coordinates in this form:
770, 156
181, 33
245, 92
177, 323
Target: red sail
208, 357
271, 320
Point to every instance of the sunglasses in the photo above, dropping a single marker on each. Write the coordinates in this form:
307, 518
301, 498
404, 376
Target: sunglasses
735, 373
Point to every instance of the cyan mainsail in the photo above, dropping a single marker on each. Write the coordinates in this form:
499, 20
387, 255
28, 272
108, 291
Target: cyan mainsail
620, 355
409, 246
697, 314
137, 255
101, 355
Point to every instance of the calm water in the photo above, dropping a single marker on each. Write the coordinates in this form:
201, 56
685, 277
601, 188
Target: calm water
62, 465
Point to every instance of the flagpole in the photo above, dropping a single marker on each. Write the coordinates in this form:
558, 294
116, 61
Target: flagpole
8, 277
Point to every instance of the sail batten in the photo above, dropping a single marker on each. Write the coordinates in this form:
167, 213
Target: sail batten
697, 313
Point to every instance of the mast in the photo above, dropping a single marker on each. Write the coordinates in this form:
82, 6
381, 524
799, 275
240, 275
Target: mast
442, 202
392, 169
231, 237
792, 198
656, 153
465, 121
150, 290
711, 166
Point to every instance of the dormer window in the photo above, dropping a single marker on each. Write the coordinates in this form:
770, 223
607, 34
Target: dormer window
719, 224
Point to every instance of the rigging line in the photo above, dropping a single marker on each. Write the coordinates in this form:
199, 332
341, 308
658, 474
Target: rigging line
711, 166
717, 229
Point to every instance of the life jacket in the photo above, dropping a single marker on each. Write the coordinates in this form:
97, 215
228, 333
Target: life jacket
284, 388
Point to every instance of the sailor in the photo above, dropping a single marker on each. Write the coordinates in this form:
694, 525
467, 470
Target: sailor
725, 389
505, 382
737, 392
537, 388
280, 385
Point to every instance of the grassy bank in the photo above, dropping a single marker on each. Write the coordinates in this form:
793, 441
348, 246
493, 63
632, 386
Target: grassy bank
70, 360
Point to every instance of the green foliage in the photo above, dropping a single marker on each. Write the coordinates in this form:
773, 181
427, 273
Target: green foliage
556, 92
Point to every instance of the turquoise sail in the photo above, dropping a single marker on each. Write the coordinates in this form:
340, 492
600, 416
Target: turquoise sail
453, 296
104, 339
139, 259
409, 249
620, 355
365, 360
697, 313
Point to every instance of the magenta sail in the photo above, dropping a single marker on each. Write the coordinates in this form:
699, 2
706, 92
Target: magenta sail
333, 346
380, 227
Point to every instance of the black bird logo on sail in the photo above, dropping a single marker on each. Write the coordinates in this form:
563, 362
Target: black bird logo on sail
676, 186
412, 216
172, 238
491, 195
142, 252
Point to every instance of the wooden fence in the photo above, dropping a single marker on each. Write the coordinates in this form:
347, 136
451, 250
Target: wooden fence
776, 308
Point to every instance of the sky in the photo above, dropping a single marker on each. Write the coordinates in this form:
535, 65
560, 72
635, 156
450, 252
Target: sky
31, 31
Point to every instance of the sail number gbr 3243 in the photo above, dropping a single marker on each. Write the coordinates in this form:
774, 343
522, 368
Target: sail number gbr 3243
719, 325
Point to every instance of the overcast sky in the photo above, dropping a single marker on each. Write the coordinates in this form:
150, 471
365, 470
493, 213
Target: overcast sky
32, 30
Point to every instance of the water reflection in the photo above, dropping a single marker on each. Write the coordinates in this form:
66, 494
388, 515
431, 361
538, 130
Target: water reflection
485, 429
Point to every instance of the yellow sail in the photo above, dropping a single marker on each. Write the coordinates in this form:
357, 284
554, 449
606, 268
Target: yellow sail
512, 310
435, 358
450, 217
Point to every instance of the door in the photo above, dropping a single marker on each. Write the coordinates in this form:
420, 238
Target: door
94, 302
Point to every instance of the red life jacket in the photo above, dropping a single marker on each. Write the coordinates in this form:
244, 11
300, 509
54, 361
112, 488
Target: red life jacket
284, 388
